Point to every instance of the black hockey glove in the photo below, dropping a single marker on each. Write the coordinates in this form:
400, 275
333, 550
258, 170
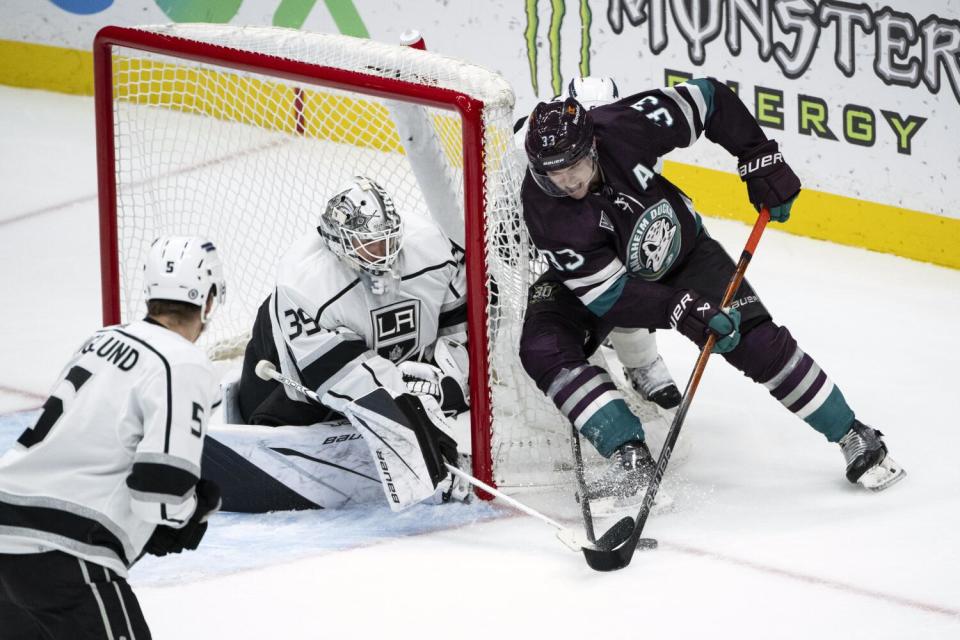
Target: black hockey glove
437, 446
770, 181
696, 317
169, 540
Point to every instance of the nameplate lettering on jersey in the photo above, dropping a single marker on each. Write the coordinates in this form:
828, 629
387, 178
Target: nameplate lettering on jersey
114, 350
655, 242
396, 329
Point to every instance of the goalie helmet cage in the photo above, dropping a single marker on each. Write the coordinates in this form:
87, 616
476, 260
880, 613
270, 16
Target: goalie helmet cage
240, 134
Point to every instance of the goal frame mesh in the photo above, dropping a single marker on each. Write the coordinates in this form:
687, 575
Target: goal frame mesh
469, 108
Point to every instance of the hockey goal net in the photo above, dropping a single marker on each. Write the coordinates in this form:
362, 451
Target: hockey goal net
240, 134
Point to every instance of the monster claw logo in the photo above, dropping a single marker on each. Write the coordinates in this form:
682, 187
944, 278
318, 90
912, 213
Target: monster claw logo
908, 50
558, 9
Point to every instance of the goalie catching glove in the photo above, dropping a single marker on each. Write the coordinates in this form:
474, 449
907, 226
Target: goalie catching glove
170, 540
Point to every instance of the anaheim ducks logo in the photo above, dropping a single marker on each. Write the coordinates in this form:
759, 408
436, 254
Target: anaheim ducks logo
655, 242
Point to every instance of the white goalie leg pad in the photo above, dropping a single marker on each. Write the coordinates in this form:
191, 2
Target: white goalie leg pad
882, 475
395, 447
327, 464
634, 347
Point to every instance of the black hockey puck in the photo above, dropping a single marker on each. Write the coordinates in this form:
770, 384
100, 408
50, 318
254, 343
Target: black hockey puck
647, 543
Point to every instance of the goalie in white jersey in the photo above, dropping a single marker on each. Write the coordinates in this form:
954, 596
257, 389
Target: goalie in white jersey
362, 312
111, 468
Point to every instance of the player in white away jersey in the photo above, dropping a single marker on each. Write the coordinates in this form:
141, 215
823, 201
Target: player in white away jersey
111, 468
360, 312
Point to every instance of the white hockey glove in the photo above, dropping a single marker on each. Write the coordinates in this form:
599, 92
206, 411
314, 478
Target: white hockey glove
422, 379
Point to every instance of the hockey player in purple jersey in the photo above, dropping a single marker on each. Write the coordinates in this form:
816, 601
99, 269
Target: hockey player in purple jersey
627, 249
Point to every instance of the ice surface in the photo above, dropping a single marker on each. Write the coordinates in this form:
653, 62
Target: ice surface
766, 539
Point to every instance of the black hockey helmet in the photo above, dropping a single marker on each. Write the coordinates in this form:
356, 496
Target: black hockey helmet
559, 135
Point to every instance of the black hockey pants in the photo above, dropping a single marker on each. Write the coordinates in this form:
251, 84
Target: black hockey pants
54, 595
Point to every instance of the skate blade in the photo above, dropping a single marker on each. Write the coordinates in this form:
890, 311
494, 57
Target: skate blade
883, 475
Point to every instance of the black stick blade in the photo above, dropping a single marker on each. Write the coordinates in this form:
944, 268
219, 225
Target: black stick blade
614, 548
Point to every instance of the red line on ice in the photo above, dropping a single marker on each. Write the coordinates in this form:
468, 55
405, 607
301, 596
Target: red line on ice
139, 183
30, 395
824, 582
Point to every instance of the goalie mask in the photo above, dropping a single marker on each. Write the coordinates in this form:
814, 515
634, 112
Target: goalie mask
361, 226
185, 269
560, 148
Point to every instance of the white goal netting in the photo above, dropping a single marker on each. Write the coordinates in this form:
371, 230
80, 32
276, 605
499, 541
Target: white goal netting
240, 134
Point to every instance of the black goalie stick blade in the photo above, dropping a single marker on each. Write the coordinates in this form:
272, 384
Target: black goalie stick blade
614, 549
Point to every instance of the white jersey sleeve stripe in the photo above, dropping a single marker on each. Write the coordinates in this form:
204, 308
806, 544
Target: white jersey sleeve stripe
601, 289
697, 96
685, 109
612, 268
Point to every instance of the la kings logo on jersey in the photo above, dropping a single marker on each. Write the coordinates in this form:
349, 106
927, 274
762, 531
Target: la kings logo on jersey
655, 242
396, 329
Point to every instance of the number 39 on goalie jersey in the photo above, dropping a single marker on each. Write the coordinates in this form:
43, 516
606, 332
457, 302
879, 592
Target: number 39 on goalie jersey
336, 336
115, 450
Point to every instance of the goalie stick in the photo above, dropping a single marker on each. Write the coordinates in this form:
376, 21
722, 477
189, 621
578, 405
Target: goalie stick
615, 548
574, 541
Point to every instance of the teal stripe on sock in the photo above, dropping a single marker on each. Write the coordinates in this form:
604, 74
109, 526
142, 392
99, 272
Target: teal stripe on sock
611, 426
833, 418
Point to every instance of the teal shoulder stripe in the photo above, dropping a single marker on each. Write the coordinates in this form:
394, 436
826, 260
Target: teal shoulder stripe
706, 88
608, 298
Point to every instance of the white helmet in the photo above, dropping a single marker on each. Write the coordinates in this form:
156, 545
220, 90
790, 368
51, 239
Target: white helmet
593, 91
361, 225
184, 269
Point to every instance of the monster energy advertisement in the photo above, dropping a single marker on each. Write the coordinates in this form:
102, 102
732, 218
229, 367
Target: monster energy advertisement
863, 97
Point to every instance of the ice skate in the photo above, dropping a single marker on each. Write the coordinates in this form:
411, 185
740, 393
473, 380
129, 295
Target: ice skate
654, 383
867, 461
622, 485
